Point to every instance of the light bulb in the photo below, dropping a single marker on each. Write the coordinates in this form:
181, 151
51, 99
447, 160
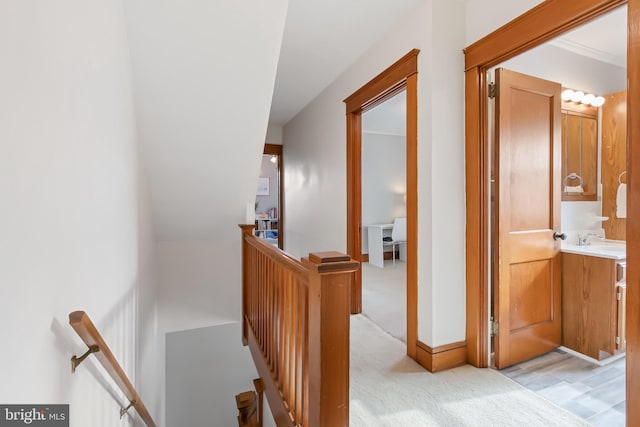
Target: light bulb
567, 94
588, 98
577, 96
598, 101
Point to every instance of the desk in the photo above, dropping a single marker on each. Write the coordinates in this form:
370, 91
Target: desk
376, 232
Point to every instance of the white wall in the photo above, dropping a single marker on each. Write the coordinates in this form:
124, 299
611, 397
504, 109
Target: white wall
581, 217
485, 16
315, 168
210, 366
274, 134
76, 229
194, 291
383, 180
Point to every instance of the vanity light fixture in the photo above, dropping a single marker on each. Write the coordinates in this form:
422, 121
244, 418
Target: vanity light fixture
571, 95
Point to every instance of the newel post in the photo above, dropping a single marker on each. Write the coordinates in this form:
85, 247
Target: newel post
247, 230
330, 276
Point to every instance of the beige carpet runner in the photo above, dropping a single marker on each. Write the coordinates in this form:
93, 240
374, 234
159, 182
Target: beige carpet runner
390, 389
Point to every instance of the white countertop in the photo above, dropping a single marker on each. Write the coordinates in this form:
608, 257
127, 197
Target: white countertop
614, 249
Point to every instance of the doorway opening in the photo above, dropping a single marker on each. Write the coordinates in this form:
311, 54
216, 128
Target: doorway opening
401, 76
479, 217
384, 213
269, 195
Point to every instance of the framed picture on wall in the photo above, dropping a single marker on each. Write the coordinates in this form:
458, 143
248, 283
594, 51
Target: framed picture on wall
263, 187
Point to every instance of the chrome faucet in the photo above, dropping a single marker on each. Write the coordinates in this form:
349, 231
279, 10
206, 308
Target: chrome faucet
585, 241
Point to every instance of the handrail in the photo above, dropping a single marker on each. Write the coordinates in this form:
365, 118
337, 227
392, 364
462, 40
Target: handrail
296, 324
84, 327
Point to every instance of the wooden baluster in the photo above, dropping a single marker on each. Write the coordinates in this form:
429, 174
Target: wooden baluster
300, 321
293, 349
328, 339
246, 276
300, 350
259, 386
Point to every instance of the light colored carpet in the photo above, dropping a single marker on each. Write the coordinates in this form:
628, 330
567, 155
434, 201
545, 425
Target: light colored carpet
384, 296
390, 389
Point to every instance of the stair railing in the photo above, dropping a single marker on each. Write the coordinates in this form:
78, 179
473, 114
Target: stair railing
84, 327
296, 324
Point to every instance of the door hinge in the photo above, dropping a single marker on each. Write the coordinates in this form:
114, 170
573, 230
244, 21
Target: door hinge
618, 295
493, 90
618, 341
495, 327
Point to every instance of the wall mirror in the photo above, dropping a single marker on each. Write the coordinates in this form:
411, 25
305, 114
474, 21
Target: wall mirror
579, 150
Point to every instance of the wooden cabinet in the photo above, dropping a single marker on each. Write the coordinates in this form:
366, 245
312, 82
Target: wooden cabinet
593, 306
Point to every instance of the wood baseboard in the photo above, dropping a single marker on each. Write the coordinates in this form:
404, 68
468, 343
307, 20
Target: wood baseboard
442, 357
387, 255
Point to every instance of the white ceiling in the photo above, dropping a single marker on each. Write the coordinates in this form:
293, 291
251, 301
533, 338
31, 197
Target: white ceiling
321, 40
388, 118
604, 39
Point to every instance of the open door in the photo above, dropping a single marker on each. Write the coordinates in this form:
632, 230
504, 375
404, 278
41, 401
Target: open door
527, 207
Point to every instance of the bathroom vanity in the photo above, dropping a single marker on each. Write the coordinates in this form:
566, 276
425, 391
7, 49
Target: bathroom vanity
593, 298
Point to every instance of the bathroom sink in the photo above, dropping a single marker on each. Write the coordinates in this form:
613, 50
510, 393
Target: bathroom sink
599, 247
605, 249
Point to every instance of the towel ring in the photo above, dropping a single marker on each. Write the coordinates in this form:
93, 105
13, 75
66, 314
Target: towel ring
572, 175
620, 177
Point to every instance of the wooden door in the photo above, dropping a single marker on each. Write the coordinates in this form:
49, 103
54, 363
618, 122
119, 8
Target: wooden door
527, 203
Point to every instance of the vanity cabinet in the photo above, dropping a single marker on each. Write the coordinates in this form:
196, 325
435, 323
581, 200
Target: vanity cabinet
593, 306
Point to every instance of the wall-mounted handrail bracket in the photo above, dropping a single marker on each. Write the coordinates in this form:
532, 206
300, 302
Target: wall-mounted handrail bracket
76, 361
84, 327
125, 410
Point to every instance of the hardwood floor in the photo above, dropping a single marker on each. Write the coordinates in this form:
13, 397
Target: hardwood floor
592, 392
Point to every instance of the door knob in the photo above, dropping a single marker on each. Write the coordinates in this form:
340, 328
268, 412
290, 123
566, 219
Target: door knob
557, 236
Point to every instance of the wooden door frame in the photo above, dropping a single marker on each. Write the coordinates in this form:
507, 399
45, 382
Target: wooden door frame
540, 24
276, 150
403, 74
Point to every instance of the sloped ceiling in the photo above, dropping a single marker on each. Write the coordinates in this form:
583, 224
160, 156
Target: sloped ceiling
322, 38
204, 76
204, 73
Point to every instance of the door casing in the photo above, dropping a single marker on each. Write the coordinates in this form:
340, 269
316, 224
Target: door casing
545, 21
403, 74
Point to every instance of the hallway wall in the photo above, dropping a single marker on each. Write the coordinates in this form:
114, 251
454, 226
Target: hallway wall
315, 168
76, 228
209, 367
